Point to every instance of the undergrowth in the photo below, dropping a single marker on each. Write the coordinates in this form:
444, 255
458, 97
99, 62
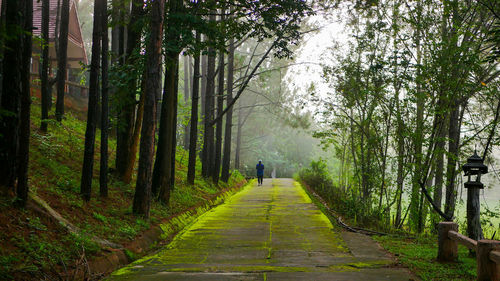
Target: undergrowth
417, 253
35, 247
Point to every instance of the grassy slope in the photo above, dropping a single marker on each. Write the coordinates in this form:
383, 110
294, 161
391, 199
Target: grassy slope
34, 247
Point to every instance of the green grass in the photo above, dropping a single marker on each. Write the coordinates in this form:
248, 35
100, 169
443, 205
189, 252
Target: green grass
419, 255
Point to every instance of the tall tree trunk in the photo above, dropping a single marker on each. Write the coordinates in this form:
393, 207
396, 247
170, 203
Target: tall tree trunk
203, 89
226, 160
400, 159
418, 139
218, 131
193, 138
62, 59
130, 163
454, 118
142, 196
44, 71
399, 119
126, 115
237, 149
11, 93
103, 177
208, 137
174, 131
453, 150
186, 98
24, 130
118, 31
441, 115
2, 44
164, 169
88, 156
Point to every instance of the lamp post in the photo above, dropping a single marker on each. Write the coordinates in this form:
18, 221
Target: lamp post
474, 167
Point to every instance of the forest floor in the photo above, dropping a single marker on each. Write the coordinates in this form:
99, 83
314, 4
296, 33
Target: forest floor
269, 232
34, 246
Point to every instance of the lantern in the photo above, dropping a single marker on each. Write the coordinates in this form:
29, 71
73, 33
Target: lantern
474, 166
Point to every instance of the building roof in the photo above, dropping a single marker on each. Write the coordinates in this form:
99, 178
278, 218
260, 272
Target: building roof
76, 48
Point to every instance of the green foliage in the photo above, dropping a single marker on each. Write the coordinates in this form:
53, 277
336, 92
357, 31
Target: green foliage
83, 242
127, 231
343, 200
99, 217
130, 255
317, 176
6, 265
260, 20
36, 224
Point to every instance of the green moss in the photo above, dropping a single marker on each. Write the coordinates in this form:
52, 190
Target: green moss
369, 264
324, 216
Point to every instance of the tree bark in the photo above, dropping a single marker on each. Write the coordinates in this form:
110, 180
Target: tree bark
399, 120
453, 150
24, 130
218, 131
2, 44
204, 64
186, 98
11, 93
226, 160
418, 139
142, 196
441, 115
164, 169
88, 156
118, 31
454, 107
62, 59
103, 177
44, 71
130, 163
439, 165
126, 115
208, 136
193, 138
237, 149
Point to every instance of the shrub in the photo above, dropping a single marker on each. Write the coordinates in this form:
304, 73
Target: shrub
346, 202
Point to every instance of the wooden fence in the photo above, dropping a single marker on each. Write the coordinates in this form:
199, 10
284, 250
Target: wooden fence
487, 251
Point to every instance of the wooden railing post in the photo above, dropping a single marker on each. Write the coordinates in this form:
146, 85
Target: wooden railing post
487, 270
447, 248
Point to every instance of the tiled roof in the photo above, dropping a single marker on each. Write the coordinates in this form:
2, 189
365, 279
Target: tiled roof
74, 32
37, 17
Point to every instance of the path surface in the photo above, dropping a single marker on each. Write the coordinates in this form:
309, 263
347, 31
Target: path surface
269, 232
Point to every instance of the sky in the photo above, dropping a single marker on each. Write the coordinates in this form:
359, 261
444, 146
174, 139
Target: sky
314, 52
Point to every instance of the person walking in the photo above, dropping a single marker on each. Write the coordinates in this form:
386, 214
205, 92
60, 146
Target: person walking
260, 172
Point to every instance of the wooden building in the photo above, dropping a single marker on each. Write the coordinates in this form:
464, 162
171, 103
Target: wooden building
76, 48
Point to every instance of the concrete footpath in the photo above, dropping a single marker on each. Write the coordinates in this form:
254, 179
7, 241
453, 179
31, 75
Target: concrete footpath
269, 232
